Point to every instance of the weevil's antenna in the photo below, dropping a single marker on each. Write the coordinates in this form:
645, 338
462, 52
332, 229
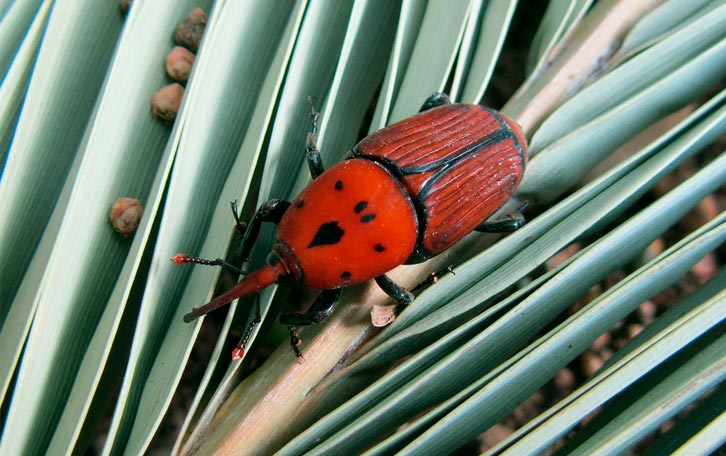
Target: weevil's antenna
182, 258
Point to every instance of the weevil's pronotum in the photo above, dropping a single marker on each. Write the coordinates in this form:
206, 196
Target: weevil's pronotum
407, 193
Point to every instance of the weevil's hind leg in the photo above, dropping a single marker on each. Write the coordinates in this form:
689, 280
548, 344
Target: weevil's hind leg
513, 223
397, 292
434, 101
315, 163
271, 211
318, 311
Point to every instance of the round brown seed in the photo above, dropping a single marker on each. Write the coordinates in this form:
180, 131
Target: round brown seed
125, 215
179, 63
167, 100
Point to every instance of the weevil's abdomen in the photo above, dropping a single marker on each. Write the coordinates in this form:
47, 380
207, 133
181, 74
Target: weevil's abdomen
460, 163
352, 223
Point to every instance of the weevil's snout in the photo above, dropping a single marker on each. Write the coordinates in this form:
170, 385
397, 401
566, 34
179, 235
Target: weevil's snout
253, 283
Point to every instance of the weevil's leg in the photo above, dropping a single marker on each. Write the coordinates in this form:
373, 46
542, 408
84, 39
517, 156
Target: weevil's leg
271, 211
239, 224
318, 311
513, 223
434, 101
315, 163
239, 350
397, 292
295, 342
433, 278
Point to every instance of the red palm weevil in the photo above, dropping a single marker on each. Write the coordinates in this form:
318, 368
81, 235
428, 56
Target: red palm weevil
406, 193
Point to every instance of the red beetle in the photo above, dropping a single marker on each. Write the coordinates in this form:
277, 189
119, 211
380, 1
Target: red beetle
408, 192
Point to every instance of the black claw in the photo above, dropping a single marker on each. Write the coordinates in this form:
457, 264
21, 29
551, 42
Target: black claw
295, 342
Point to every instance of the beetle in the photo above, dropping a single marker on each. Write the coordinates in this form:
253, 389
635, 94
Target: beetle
405, 194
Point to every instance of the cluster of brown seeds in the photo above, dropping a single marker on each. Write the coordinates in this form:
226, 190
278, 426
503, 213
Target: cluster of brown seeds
126, 212
165, 103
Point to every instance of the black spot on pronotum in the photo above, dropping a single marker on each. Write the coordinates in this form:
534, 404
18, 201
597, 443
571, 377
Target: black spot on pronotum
328, 234
360, 206
367, 218
339, 185
300, 204
379, 248
346, 275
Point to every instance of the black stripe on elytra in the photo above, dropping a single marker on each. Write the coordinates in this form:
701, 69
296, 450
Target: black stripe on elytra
328, 234
499, 136
517, 144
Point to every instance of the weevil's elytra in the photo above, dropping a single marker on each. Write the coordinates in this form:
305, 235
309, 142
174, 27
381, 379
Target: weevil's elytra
409, 192
460, 163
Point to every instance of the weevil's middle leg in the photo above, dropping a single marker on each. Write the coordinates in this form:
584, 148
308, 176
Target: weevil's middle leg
392, 289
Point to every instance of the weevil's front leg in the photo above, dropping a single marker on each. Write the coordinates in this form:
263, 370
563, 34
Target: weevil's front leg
271, 211
315, 163
513, 223
321, 308
318, 311
434, 101
397, 292
239, 225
